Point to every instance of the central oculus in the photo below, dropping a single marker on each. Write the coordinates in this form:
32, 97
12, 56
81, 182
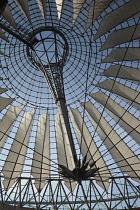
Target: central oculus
48, 48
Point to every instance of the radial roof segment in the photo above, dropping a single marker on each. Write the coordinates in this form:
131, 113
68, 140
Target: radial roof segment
121, 36
42, 7
2, 35
89, 148
131, 95
96, 8
15, 159
23, 5
4, 102
59, 5
114, 18
124, 72
41, 157
77, 5
114, 144
123, 54
2, 90
70, 104
121, 116
63, 148
7, 122
8, 16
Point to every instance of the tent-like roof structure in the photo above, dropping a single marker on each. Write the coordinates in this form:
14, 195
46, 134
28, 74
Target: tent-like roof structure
69, 104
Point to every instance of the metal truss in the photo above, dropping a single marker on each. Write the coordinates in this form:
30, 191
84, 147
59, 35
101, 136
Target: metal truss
53, 73
122, 194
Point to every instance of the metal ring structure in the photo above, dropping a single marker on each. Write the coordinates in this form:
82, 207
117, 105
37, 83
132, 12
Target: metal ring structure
69, 104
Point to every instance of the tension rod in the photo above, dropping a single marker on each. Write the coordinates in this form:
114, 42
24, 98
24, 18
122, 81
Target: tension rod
15, 35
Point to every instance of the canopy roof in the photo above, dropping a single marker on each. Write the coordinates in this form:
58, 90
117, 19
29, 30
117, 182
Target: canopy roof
95, 47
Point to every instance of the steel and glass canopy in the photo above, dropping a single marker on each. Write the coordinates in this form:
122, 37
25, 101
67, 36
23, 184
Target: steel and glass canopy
69, 120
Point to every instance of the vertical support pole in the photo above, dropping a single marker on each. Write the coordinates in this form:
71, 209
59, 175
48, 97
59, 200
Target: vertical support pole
110, 205
19, 191
90, 193
54, 78
128, 194
1, 190
122, 194
63, 113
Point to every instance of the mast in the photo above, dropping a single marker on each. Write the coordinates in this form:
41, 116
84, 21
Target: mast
51, 64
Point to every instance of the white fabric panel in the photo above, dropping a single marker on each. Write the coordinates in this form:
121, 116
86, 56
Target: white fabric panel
121, 36
127, 93
8, 16
89, 148
15, 159
63, 150
123, 54
130, 123
2, 90
23, 5
114, 18
77, 5
96, 8
7, 121
121, 153
65, 127
124, 72
91, 15
4, 102
63, 147
42, 7
41, 158
2, 35
59, 4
